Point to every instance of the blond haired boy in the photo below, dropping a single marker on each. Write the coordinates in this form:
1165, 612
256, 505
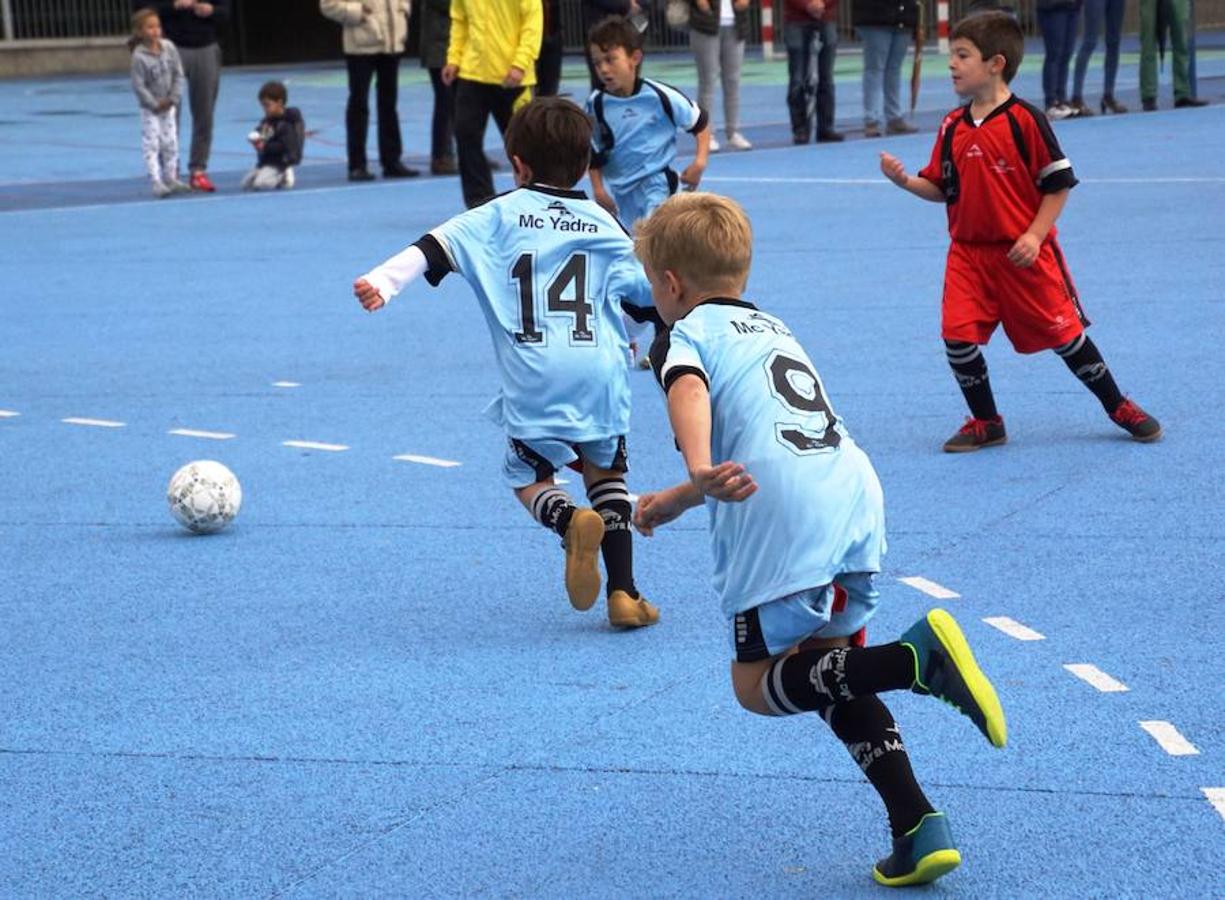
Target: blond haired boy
797, 524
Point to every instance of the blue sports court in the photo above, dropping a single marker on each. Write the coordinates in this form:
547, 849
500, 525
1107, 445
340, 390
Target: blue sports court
372, 684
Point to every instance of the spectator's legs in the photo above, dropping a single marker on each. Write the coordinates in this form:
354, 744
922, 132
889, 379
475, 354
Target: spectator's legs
876, 42
472, 108
1114, 35
898, 42
1071, 18
442, 133
357, 113
503, 102
1094, 10
1148, 50
706, 55
386, 93
202, 68
731, 57
548, 66
825, 77
1180, 57
797, 38
1049, 22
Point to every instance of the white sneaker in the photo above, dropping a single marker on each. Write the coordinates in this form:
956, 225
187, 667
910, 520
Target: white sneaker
1058, 112
160, 189
738, 141
177, 187
287, 178
714, 144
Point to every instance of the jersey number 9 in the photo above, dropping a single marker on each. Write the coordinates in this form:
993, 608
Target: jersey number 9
796, 386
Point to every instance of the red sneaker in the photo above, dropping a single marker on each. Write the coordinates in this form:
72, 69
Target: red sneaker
1136, 422
201, 182
976, 434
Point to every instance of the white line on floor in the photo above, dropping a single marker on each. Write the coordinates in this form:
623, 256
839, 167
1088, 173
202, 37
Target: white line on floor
211, 435
1216, 796
315, 445
8, 414
1169, 738
97, 423
428, 460
1013, 628
1096, 677
286, 384
882, 181
919, 583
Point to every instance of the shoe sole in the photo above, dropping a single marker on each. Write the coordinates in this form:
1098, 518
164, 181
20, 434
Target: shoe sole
583, 539
949, 633
970, 448
1148, 439
927, 870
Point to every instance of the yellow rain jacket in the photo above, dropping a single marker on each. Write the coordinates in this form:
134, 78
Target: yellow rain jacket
490, 37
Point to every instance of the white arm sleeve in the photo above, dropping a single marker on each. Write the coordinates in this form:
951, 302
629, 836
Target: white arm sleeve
398, 272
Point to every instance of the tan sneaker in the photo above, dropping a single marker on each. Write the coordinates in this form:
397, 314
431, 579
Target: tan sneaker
626, 612
582, 543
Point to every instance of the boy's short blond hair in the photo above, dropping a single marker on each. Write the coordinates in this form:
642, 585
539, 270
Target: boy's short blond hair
706, 239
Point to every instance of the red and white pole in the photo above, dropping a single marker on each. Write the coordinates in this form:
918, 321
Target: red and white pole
942, 26
767, 30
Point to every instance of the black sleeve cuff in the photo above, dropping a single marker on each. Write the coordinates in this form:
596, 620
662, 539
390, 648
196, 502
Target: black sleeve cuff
1064, 179
435, 257
677, 371
642, 314
702, 122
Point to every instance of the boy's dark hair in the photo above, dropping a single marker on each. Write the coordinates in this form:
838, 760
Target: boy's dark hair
273, 90
994, 32
553, 138
615, 31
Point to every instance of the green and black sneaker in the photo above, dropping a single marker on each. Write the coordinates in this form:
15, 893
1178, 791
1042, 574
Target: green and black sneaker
921, 855
945, 668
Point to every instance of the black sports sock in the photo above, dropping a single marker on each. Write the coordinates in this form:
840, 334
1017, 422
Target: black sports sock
812, 680
1085, 360
610, 498
553, 508
867, 728
970, 367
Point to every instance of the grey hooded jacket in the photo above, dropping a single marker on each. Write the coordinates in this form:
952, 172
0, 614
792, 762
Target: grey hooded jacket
157, 76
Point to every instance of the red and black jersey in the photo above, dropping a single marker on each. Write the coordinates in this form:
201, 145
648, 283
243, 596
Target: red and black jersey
994, 174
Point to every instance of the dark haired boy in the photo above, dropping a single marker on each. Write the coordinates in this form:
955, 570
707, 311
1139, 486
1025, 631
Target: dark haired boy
550, 269
1004, 179
278, 141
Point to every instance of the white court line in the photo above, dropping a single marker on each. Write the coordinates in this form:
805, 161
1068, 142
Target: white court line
919, 583
1169, 738
8, 414
882, 181
1013, 628
1096, 677
97, 423
287, 384
428, 460
315, 445
211, 435
1216, 796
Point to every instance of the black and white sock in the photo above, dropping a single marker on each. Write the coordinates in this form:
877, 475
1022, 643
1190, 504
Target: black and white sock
816, 680
970, 368
610, 498
553, 508
1085, 360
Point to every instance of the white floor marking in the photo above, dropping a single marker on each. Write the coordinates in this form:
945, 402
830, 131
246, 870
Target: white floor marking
1169, 738
1013, 628
882, 181
919, 583
97, 423
315, 445
8, 414
1216, 796
211, 435
1096, 677
286, 384
428, 460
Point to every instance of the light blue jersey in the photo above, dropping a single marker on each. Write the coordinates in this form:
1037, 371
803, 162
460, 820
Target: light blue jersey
550, 269
634, 138
818, 511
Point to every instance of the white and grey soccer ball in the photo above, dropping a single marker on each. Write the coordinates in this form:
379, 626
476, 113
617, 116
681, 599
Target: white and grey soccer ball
204, 496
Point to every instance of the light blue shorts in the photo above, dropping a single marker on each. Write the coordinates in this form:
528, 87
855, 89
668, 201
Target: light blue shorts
840, 609
528, 462
643, 197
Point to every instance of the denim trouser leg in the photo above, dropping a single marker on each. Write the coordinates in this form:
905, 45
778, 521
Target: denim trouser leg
798, 38
1094, 10
825, 77
876, 43
1114, 36
898, 42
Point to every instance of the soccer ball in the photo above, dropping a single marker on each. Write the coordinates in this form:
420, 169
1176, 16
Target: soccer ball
204, 496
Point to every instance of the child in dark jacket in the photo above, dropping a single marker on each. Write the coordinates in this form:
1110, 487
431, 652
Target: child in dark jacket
278, 141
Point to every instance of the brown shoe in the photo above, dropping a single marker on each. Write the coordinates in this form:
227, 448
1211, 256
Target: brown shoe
901, 126
445, 165
976, 434
626, 612
871, 131
582, 543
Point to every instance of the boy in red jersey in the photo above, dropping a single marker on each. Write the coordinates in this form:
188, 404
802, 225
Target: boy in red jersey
997, 166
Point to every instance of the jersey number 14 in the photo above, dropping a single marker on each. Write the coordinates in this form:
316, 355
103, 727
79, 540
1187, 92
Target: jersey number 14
571, 278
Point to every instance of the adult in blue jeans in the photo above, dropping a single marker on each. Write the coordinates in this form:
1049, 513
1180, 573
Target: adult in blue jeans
804, 23
1095, 12
1058, 20
886, 28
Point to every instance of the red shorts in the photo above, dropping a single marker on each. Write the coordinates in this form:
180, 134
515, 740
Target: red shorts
1037, 306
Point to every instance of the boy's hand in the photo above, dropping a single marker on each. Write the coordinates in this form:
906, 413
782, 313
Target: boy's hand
893, 169
692, 176
449, 73
728, 482
657, 509
1025, 251
513, 78
605, 200
368, 295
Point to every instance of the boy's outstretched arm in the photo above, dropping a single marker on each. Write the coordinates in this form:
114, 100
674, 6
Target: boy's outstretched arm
692, 176
920, 187
380, 284
1025, 250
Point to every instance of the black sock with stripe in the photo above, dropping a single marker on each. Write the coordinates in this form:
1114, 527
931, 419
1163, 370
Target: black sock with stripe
812, 680
553, 508
1085, 360
970, 368
610, 498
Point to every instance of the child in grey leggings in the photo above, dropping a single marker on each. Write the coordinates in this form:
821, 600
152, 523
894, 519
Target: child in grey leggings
717, 32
